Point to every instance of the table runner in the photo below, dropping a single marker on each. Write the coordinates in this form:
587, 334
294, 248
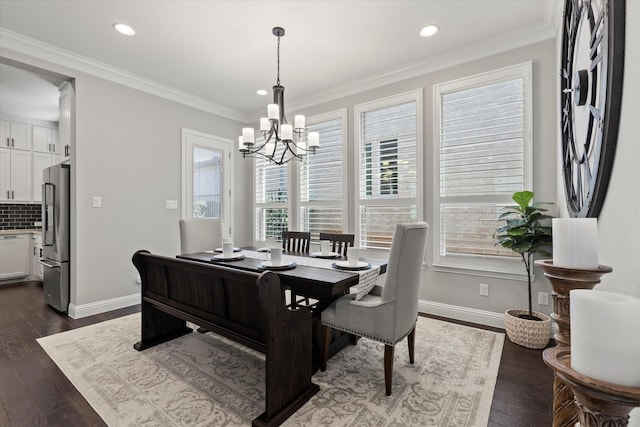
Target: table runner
368, 278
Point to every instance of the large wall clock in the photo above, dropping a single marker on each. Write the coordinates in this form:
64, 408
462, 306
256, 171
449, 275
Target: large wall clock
591, 92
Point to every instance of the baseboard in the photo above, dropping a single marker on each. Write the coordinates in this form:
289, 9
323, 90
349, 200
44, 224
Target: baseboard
84, 310
482, 317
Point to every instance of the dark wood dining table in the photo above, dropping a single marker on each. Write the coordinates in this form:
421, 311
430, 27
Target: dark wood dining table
322, 284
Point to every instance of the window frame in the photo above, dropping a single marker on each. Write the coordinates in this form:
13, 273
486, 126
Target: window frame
401, 98
340, 114
482, 265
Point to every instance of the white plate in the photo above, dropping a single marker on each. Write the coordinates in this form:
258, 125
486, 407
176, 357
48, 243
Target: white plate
221, 257
344, 265
327, 255
234, 249
267, 265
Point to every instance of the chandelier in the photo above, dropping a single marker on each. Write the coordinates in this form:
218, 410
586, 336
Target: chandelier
282, 141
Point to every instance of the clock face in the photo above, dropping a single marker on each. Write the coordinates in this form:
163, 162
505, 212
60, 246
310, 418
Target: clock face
592, 61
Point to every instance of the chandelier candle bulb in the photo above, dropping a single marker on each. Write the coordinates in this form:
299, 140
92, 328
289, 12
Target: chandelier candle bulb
273, 112
247, 136
575, 242
313, 140
298, 121
287, 132
264, 124
605, 336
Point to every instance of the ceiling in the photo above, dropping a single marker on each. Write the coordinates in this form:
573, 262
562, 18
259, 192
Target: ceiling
218, 53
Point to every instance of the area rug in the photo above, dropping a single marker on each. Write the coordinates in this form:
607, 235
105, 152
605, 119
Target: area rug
207, 380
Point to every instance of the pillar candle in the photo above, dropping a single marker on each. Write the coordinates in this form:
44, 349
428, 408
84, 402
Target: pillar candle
575, 242
605, 336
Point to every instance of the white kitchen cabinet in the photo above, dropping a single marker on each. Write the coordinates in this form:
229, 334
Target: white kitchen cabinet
45, 139
15, 135
41, 161
14, 253
66, 123
15, 175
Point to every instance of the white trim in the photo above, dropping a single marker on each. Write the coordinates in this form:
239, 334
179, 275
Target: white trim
481, 265
84, 310
481, 317
64, 58
413, 95
216, 143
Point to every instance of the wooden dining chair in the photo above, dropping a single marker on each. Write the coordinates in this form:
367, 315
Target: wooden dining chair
296, 241
339, 242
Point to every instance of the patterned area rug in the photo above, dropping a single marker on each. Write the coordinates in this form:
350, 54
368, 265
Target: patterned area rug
207, 380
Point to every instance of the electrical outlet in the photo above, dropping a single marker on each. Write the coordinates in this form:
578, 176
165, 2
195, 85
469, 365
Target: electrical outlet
543, 298
171, 204
97, 201
484, 290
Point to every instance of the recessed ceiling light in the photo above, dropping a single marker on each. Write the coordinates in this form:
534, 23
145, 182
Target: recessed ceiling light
124, 29
429, 30
261, 92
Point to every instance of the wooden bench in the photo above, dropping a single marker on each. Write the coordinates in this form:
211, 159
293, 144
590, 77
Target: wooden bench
243, 306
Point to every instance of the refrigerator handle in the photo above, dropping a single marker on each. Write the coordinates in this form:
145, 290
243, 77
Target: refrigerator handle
47, 204
47, 265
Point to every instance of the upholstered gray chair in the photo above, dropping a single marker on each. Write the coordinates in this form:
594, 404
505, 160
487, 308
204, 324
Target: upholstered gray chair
388, 314
200, 234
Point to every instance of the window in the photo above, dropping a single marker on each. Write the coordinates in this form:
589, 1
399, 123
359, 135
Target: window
206, 183
322, 177
271, 199
389, 170
483, 155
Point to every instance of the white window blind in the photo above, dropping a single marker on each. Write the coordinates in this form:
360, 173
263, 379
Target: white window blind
389, 162
271, 199
322, 179
483, 157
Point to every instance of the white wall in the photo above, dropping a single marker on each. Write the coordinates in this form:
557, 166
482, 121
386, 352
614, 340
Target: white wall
128, 151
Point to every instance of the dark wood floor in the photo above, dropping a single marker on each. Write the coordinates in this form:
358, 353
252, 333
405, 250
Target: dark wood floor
33, 391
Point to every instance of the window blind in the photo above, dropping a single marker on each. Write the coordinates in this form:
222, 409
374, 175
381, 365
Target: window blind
388, 170
271, 197
481, 162
321, 182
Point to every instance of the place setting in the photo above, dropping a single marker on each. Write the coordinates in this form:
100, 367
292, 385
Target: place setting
353, 262
325, 251
276, 262
228, 252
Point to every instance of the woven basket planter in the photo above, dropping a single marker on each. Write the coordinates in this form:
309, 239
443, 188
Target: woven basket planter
527, 333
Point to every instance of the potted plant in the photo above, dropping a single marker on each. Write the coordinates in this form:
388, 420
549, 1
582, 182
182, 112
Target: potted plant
525, 234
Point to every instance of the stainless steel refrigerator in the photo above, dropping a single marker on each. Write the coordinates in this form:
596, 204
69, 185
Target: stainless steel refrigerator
56, 212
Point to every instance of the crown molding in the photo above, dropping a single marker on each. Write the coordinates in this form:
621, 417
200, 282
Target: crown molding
64, 58
483, 49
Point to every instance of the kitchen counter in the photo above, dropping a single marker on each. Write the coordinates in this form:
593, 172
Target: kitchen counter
21, 231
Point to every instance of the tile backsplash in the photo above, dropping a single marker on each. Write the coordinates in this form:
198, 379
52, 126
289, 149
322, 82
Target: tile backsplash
15, 216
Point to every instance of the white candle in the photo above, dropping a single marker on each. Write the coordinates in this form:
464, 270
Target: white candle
264, 124
298, 121
287, 132
273, 112
247, 136
313, 140
605, 336
575, 242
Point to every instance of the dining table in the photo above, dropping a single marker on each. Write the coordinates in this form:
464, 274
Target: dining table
313, 276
